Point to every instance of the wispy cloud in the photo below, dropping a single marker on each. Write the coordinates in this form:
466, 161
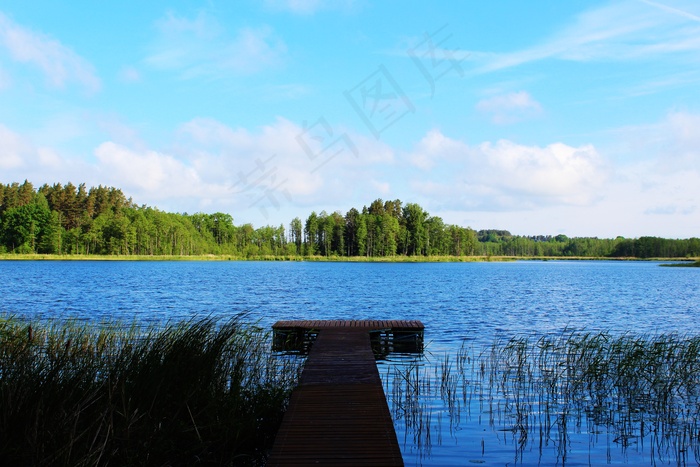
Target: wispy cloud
624, 30
5, 80
672, 144
129, 74
677, 11
662, 83
59, 64
510, 108
201, 47
284, 91
309, 7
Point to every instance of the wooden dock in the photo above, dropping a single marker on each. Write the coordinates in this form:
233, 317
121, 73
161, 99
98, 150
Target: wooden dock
365, 324
338, 415
385, 335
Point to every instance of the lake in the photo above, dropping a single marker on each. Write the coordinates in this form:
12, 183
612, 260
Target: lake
472, 303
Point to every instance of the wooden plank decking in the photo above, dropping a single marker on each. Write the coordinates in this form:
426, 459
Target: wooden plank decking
386, 335
338, 415
368, 324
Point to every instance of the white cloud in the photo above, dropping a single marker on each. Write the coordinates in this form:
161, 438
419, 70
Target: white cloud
200, 47
283, 168
151, 177
380, 188
510, 108
150, 173
19, 155
308, 7
656, 186
506, 174
527, 189
60, 64
556, 173
435, 147
683, 133
633, 202
49, 159
249, 162
649, 184
13, 149
272, 158
639, 203
21, 158
623, 30
673, 144
645, 198
119, 132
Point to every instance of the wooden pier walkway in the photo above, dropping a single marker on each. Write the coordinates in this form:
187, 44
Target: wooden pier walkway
385, 335
339, 415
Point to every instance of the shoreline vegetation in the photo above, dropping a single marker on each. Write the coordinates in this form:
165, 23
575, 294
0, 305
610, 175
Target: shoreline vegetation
632, 390
102, 222
211, 392
685, 264
199, 392
676, 262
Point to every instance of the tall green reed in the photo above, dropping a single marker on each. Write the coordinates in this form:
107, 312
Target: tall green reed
193, 392
541, 390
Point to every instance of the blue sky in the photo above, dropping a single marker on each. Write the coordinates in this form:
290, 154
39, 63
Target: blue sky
574, 117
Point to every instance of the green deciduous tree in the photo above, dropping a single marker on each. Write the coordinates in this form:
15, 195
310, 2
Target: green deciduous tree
414, 218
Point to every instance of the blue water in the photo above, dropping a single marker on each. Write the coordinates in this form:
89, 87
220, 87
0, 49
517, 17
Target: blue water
455, 301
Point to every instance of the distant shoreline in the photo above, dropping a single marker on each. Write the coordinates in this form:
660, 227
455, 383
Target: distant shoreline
684, 264
688, 262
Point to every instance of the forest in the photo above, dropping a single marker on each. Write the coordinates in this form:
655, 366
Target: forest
68, 220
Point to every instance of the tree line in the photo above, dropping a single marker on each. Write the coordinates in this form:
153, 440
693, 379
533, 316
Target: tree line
69, 219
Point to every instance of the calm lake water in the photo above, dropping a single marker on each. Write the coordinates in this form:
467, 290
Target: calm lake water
457, 302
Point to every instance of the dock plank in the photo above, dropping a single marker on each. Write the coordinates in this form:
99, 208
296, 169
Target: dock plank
338, 415
369, 324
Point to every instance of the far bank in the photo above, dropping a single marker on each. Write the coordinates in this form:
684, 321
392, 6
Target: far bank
339, 259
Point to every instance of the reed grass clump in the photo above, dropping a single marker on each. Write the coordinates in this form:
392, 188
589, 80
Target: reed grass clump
543, 390
197, 392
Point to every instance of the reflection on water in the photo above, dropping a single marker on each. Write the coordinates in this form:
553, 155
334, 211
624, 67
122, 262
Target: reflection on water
574, 398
